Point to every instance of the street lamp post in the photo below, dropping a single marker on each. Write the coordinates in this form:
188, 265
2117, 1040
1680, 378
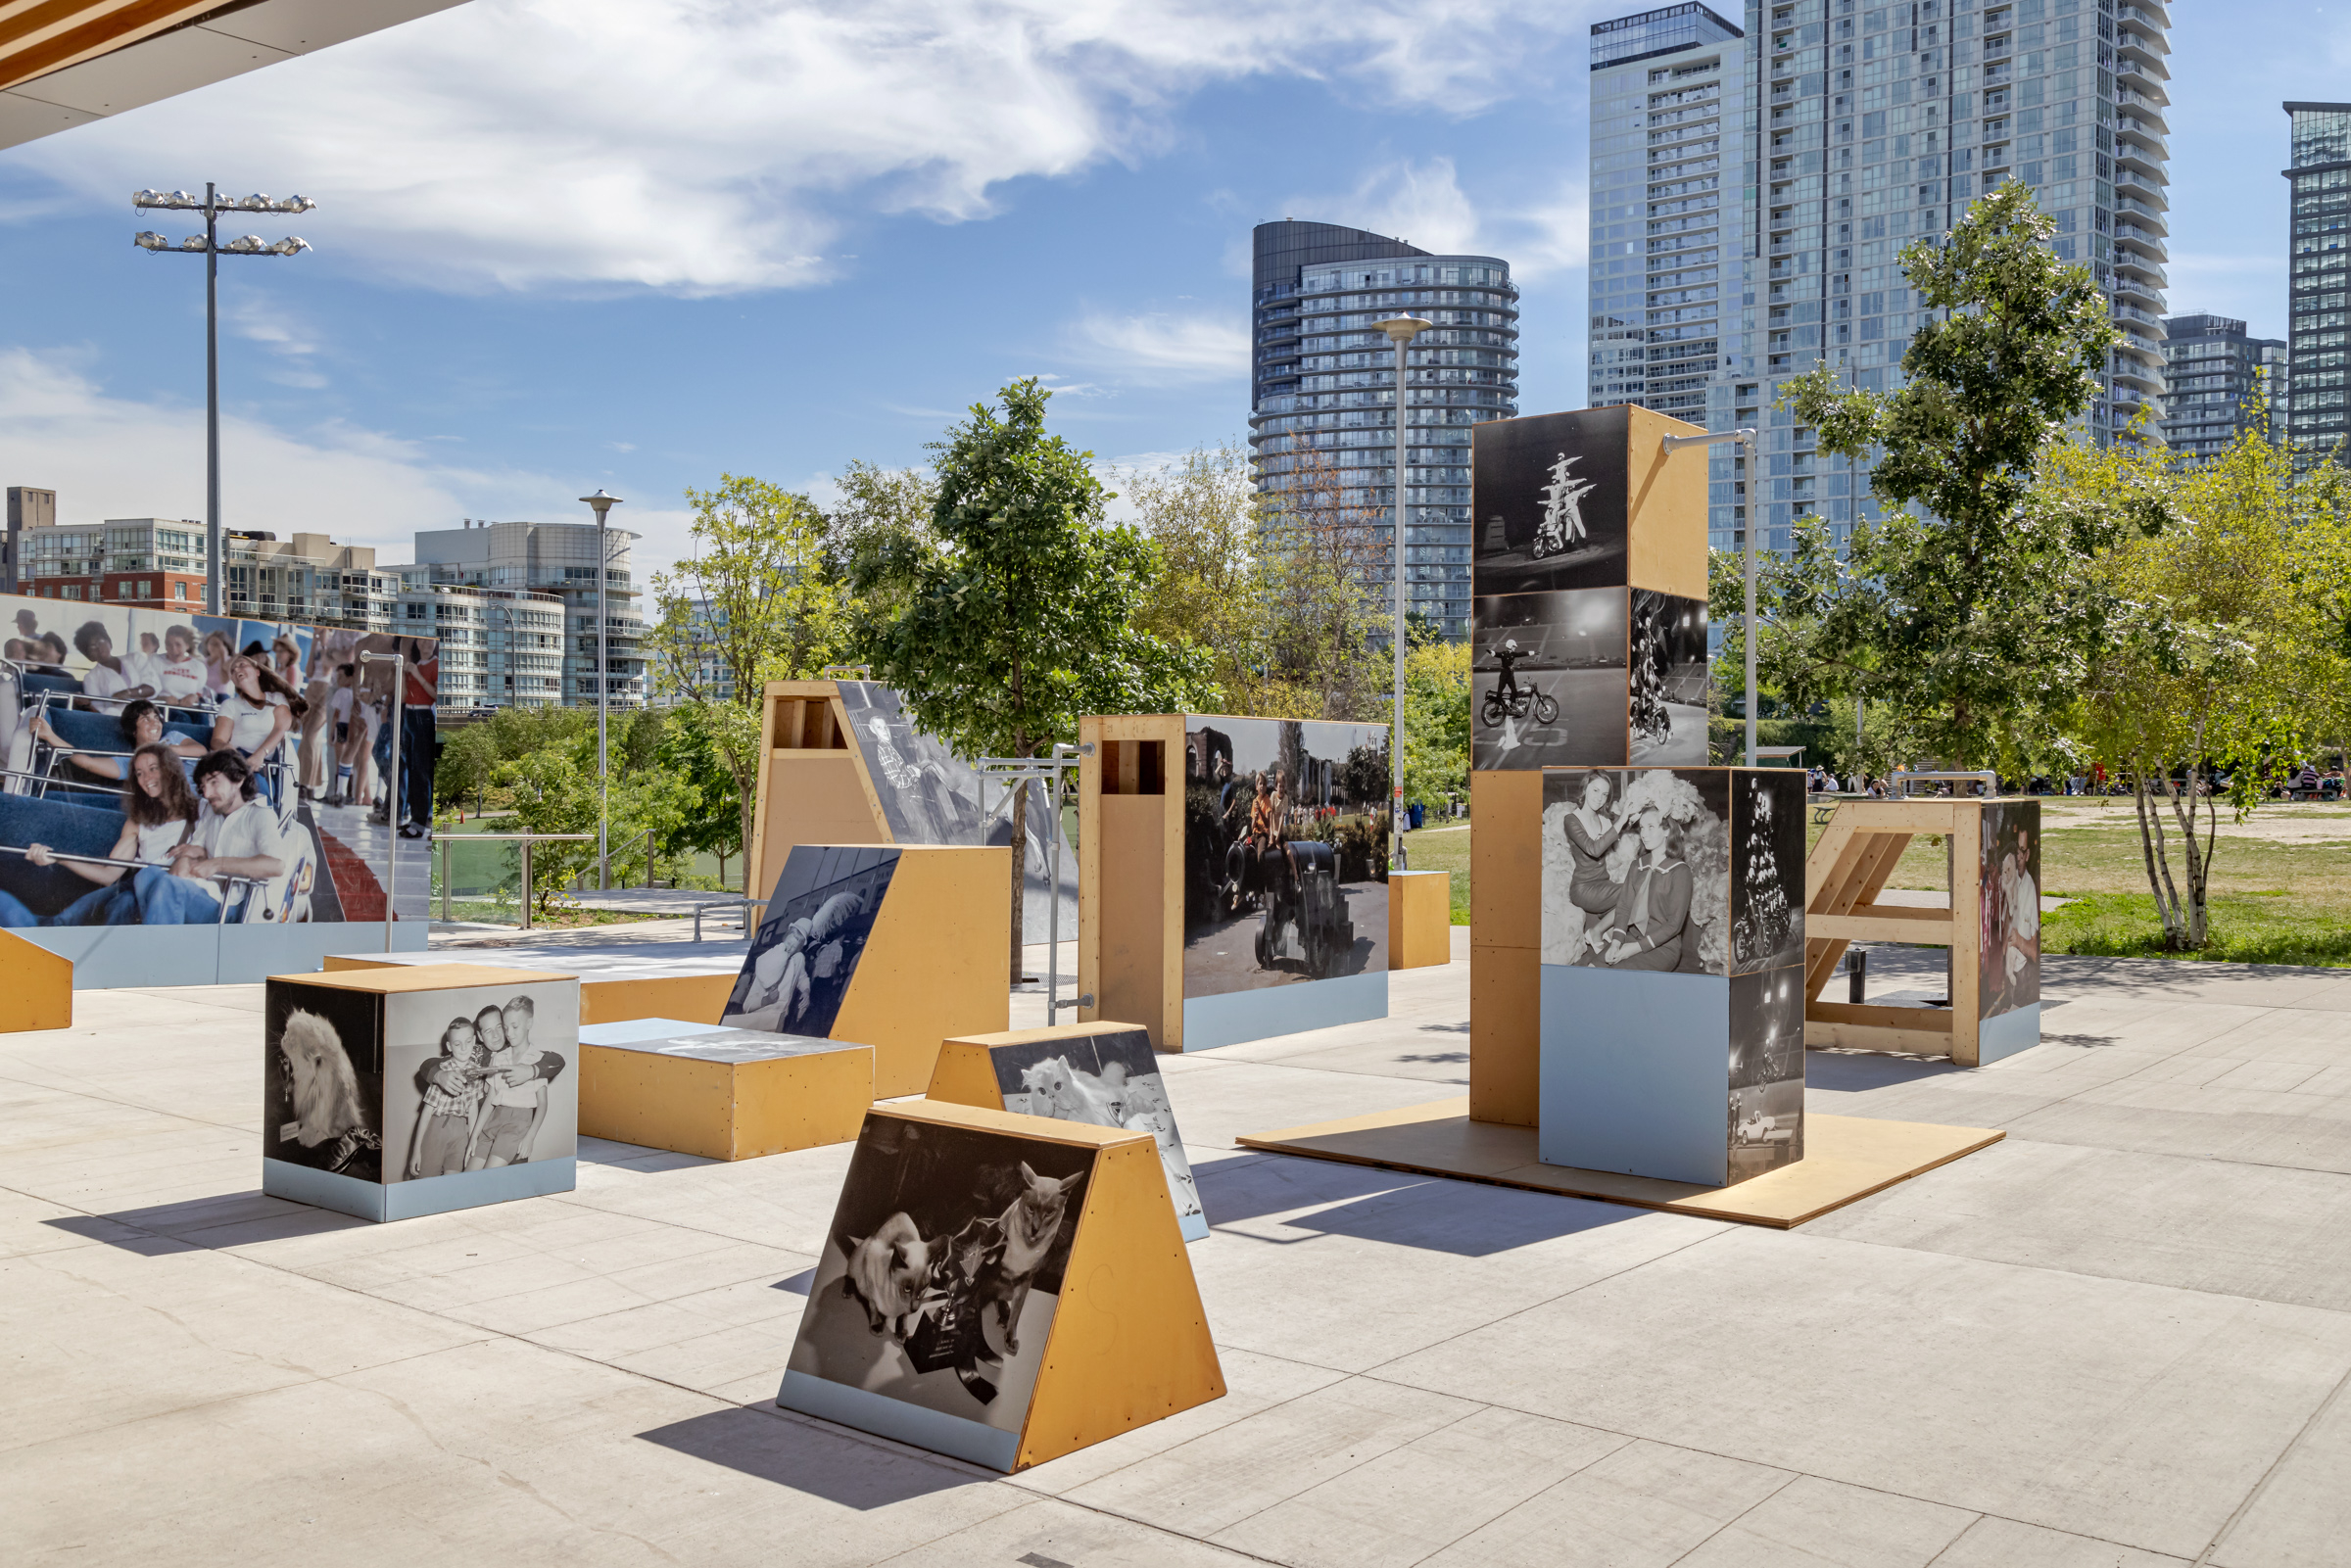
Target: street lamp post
1747, 447
208, 246
603, 770
1400, 330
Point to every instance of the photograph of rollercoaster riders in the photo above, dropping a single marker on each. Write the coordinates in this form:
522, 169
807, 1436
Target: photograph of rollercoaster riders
1285, 852
1548, 685
1548, 502
166, 768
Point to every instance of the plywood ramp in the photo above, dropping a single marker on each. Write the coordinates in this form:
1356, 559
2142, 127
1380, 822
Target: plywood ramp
1846, 1157
934, 965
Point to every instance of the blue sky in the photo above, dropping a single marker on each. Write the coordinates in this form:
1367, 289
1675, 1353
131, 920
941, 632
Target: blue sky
564, 244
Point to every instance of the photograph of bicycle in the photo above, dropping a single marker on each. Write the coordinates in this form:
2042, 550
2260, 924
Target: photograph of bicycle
1549, 680
1551, 496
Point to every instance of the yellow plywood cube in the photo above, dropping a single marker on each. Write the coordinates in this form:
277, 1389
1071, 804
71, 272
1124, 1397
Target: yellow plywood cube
1420, 919
723, 1094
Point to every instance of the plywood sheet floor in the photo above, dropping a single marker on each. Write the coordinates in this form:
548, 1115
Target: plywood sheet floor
1846, 1157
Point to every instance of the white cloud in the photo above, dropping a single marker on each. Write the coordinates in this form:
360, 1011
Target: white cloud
1424, 204
698, 147
1164, 346
108, 455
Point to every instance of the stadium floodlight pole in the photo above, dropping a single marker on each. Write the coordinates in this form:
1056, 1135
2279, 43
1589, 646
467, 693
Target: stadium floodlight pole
208, 246
603, 769
1401, 331
1745, 437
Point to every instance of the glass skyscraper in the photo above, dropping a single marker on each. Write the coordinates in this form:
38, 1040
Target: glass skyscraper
2318, 415
2214, 376
1324, 381
1858, 129
1664, 193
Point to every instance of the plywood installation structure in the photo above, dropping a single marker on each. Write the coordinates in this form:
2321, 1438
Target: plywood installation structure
1990, 922
845, 765
1005, 1289
723, 1094
1233, 875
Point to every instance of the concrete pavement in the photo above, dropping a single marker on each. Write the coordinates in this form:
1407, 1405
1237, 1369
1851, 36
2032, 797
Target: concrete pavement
2121, 1337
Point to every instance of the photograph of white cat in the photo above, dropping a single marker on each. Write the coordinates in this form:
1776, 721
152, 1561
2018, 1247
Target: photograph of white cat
1107, 1080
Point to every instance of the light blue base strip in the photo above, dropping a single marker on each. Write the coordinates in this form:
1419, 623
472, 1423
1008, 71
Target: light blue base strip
106, 955
2007, 1033
1634, 1073
1238, 1016
885, 1418
1195, 1226
407, 1200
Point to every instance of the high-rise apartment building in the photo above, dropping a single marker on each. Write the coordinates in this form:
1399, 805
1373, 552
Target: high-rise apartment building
2220, 383
1323, 395
558, 558
1666, 129
1858, 130
2318, 298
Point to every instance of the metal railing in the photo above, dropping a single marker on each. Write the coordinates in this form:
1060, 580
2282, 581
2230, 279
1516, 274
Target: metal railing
1048, 772
1903, 779
443, 841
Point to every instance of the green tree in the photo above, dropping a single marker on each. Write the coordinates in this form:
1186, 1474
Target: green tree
1977, 615
690, 751
465, 766
1324, 548
555, 791
1023, 619
1209, 590
756, 599
880, 534
2223, 636
1436, 721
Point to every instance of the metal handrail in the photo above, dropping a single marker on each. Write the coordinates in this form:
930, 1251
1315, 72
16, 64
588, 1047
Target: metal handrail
524, 839
1902, 780
744, 904
1049, 771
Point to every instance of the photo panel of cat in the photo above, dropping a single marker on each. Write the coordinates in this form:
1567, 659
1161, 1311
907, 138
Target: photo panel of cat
1107, 1080
480, 1078
1767, 869
2009, 876
322, 1079
942, 1269
1548, 502
1286, 841
808, 943
1766, 1111
1667, 680
1548, 679
1636, 868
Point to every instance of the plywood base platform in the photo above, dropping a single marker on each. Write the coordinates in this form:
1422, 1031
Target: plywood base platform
1844, 1158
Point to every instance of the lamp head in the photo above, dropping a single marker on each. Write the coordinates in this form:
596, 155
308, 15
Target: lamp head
149, 240
602, 503
1403, 328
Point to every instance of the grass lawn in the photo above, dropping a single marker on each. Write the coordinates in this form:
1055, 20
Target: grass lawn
2272, 901
1444, 848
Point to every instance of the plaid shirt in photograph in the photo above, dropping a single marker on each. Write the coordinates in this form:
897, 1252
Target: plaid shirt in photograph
440, 1102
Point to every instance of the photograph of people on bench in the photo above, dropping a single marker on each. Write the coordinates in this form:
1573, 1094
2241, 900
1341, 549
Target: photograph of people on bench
159, 767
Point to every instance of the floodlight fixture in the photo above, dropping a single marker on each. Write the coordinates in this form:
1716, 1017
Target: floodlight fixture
209, 246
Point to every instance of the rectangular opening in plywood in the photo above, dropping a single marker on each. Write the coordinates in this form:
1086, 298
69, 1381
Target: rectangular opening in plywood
1134, 767
805, 724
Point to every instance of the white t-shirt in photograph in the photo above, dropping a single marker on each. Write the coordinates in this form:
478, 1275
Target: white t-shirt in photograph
250, 830
180, 679
101, 683
155, 842
138, 669
250, 721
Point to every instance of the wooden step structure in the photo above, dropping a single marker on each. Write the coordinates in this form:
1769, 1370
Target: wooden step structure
1846, 872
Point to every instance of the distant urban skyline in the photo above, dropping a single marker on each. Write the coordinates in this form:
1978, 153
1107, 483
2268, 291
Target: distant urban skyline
496, 320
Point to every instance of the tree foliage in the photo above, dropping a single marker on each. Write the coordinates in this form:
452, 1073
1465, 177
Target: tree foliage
1022, 618
880, 535
755, 600
1977, 614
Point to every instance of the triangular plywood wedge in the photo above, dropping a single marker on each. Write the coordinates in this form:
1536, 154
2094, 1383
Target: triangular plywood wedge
39, 994
1000, 1288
